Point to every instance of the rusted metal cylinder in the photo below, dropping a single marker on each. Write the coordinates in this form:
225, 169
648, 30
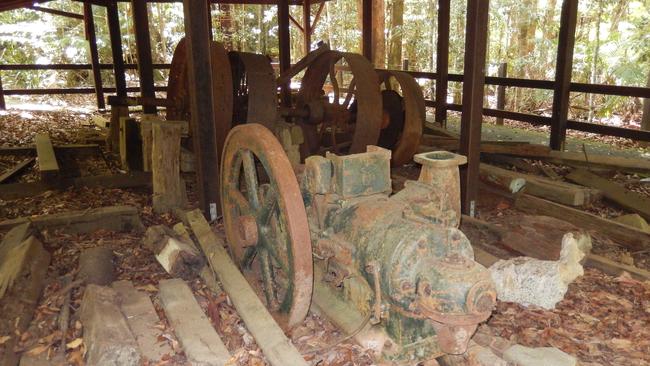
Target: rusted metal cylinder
440, 170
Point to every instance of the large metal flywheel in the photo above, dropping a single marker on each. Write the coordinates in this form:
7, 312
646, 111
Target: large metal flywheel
255, 92
348, 118
266, 222
178, 86
404, 115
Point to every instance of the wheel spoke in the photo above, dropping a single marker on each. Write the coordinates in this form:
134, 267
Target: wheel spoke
269, 204
335, 82
250, 176
268, 279
351, 91
238, 199
272, 244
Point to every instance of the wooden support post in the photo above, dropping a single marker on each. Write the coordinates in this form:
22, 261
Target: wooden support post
366, 31
501, 92
472, 117
645, 119
563, 71
202, 106
89, 23
306, 25
405, 64
168, 186
47, 163
143, 46
209, 15
284, 46
3, 105
442, 61
116, 48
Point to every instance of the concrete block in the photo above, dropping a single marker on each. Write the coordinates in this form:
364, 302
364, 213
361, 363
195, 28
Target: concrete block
635, 221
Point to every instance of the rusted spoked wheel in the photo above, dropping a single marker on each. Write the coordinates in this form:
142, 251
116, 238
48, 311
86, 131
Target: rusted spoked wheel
265, 221
178, 88
254, 91
349, 123
404, 116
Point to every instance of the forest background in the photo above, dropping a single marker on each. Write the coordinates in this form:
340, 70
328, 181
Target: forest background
612, 45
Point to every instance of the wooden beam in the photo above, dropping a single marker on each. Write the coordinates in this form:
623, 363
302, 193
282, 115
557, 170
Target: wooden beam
113, 19
89, 23
614, 268
143, 46
16, 169
614, 192
442, 60
321, 6
628, 237
366, 29
57, 12
3, 105
284, 46
563, 71
472, 117
47, 164
202, 106
269, 336
296, 23
115, 218
306, 21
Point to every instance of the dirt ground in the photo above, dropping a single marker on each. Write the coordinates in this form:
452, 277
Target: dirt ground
602, 320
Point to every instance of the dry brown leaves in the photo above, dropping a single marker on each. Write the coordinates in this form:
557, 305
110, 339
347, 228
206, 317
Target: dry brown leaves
602, 320
19, 127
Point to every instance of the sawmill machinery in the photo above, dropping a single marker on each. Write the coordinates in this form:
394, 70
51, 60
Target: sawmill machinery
393, 270
338, 107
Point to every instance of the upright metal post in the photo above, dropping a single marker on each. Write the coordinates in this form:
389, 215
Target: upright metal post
563, 71
472, 113
89, 23
442, 60
201, 105
143, 46
116, 48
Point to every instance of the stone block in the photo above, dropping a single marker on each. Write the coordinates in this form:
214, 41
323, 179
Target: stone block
543, 356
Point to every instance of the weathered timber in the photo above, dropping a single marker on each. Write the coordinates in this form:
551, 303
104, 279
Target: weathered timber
129, 180
269, 336
560, 192
96, 266
147, 143
142, 319
16, 169
168, 187
177, 255
628, 237
193, 329
47, 164
612, 191
30, 261
130, 144
76, 149
516, 148
106, 334
116, 218
614, 268
113, 138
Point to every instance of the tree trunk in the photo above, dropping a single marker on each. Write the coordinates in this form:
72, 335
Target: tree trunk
378, 36
396, 22
168, 187
594, 64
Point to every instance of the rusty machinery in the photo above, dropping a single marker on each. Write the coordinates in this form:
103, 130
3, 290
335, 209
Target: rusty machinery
338, 107
395, 267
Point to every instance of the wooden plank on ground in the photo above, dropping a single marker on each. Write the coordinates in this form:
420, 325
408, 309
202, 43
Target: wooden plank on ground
142, 319
16, 169
267, 333
29, 261
556, 191
47, 164
194, 331
628, 237
76, 149
516, 148
116, 218
614, 192
614, 268
129, 180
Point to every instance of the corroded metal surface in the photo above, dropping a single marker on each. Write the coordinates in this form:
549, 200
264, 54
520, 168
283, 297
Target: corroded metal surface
255, 91
359, 114
177, 88
406, 119
258, 184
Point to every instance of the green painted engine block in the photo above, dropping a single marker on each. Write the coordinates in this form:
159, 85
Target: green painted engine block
398, 260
